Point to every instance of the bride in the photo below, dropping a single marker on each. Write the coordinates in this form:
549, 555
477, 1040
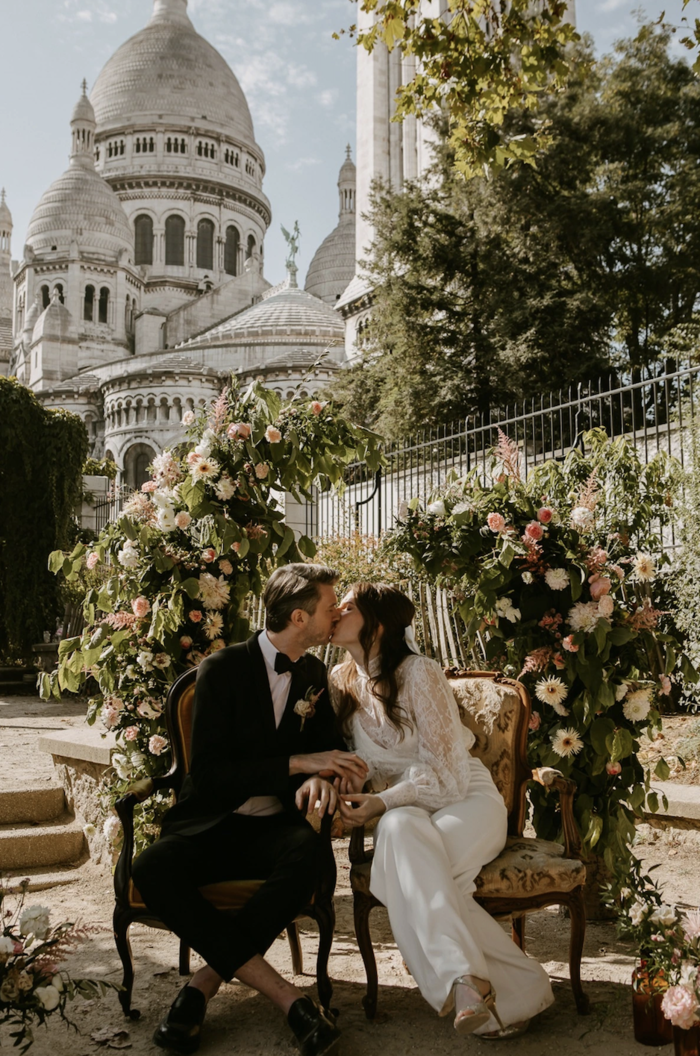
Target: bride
441, 818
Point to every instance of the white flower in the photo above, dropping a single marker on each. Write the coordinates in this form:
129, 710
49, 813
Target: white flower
166, 469
145, 660
122, 766
204, 469
528, 577
203, 448
566, 743
112, 828
161, 661
664, 915
553, 691
49, 997
462, 507
582, 518
504, 607
637, 913
166, 519
621, 692
188, 418
556, 578
163, 498
689, 971
637, 705
644, 567
35, 921
7, 948
225, 488
214, 625
213, 592
437, 508
129, 556
583, 616
606, 606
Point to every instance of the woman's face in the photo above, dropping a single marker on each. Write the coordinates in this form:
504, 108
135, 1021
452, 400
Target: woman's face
351, 622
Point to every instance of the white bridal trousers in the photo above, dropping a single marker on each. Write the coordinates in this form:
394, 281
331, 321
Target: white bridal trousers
423, 871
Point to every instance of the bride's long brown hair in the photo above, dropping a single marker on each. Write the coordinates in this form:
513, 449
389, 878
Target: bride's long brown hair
381, 607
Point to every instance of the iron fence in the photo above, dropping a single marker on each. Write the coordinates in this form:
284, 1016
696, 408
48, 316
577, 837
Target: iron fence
108, 511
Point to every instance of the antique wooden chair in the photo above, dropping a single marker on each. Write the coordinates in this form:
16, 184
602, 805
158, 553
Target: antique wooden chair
529, 874
230, 895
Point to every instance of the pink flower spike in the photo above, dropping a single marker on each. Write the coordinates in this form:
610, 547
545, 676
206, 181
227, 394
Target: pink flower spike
496, 522
544, 515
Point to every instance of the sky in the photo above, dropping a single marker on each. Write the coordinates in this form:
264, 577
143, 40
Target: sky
299, 82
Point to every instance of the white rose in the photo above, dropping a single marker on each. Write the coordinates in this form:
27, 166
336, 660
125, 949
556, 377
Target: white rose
188, 418
145, 660
556, 578
129, 556
664, 915
166, 519
35, 921
621, 692
637, 913
112, 828
528, 577
512, 614
437, 509
7, 948
49, 997
121, 765
582, 518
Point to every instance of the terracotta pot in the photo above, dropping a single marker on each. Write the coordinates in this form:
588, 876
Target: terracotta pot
650, 1024
686, 1042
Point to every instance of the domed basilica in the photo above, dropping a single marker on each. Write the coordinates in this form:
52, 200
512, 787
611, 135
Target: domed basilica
142, 288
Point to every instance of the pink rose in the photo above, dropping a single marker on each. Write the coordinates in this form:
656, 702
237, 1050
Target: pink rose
680, 1005
544, 515
613, 769
157, 744
535, 721
569, 644
141, 607
664, 685
496, 522
606, 605
316, 407
559, 661
193, 458
236, 547
131, 733
600, 585
209, 555
226, 566
272, 435
92, 560
239, 430
261, 470
182, 519
149, 486
534, 531
185, 642
195, 616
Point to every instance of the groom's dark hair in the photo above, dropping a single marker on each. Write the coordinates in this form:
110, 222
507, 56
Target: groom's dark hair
291, 587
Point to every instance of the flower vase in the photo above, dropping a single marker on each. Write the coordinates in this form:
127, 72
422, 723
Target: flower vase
686, 1042
650, 1024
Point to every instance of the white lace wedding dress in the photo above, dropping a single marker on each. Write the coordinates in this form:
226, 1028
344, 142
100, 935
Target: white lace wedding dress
444, 820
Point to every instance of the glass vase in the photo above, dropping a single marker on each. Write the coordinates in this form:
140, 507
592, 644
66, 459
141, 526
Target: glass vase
686, 1042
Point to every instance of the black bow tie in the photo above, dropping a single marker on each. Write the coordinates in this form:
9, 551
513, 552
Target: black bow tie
283, 663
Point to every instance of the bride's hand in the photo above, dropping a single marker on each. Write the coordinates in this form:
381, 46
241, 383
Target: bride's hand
368, 807
346, 785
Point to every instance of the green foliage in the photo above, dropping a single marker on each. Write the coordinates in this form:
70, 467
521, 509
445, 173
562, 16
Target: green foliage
686, 578
478, 65
40, 485
364, 558
556, 586
101, 467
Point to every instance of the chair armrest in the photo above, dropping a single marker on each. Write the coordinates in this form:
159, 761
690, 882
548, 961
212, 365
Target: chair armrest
137, 792
550, 778
356, 851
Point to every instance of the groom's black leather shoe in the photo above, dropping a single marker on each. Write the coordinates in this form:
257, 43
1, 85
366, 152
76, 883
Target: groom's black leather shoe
180, 1030
316, 1034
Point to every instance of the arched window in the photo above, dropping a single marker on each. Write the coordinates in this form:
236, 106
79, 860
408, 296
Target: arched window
103, 308
205, 244
143, 233
59, 288
231, 251
175, 241
88, 303
250, 249
127, 314
136, 462
45, 296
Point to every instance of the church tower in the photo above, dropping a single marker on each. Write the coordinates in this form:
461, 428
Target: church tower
5, 284
333, 264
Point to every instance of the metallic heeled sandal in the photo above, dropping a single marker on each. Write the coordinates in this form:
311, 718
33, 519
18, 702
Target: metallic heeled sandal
512, 1031
481, 1010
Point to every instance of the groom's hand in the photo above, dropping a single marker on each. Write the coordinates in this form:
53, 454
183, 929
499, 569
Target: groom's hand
330, 764
315, 792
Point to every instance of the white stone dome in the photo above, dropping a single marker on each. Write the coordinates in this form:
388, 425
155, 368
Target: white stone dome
168, 74
333, 263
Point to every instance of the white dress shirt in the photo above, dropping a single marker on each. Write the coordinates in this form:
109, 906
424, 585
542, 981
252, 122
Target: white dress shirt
279, 688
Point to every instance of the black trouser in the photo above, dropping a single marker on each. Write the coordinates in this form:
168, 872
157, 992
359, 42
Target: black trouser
281, 849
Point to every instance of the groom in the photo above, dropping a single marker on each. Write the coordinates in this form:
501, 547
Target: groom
263, 731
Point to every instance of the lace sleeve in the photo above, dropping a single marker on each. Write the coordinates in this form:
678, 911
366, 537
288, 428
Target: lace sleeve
334, 680
440, 774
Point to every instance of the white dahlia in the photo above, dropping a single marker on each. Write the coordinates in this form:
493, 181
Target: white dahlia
582, 518
566, 743
583, 616
225, 488
213, 625
213, 592
644, 567
637, 705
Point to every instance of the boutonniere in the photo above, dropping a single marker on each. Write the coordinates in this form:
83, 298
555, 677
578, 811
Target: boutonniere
306, 707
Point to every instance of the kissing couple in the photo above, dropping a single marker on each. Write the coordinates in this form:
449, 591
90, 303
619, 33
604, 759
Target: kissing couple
274, 738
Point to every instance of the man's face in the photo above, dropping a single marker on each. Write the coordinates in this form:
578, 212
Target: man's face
320, 626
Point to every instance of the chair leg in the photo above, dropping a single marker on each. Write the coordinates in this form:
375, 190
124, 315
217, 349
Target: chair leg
362, 907
577, 913
184, 960
295, 947
324, 911
518, 931
121, 923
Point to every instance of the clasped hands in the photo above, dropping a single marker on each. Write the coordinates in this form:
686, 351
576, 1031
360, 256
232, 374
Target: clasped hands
336, 783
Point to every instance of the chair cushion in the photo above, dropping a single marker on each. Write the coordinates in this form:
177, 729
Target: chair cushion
525, 868
229, 895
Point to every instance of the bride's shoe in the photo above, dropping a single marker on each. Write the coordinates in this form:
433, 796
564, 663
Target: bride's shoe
514, 1030
470, 1014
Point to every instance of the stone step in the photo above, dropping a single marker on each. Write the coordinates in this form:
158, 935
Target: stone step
56, 842
18, 689
41, 879
32, 805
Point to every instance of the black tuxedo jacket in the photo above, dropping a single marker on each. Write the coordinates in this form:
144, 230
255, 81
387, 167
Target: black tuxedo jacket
237, 752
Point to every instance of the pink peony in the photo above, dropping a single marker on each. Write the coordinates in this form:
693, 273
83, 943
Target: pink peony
195, 616
533, 531
131, 733
92, 560
316, 407
209, 555
600, 585
239, 431
273, 435
664, 685
569, 644
186, 642
141, 606
226, 566
606, 606
680, 1005
544, 515
157, 744
149, 486
182, 519
496, 522
535, 721
613, 769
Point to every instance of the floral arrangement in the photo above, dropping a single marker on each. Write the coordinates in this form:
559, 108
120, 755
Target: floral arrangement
557, 586
180, 563
32, 986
